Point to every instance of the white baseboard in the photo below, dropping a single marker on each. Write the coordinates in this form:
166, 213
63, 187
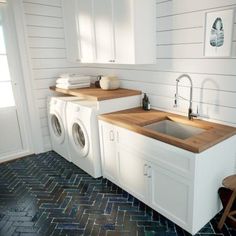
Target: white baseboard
13, 156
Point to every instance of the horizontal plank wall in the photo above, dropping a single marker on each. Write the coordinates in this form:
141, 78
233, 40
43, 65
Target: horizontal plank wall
45, 38
179, 49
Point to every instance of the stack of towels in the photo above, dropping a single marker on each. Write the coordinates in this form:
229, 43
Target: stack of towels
73, 81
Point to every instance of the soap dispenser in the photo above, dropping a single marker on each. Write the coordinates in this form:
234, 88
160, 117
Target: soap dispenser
146, 103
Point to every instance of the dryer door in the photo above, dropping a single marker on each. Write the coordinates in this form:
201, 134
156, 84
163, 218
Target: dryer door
80, 138
56, 127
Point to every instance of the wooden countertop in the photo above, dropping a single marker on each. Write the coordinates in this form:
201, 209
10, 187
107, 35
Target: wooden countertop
97, 93
134, 120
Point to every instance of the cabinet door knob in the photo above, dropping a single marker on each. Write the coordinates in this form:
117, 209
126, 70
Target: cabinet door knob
145, 170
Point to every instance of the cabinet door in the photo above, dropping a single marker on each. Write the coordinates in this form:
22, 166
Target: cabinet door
85, 30
104, 31
108, 149
70, 28
132, 172
170, 194
124, 32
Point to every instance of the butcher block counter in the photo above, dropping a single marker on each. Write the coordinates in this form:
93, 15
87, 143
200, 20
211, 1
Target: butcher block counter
136, 118
97, 93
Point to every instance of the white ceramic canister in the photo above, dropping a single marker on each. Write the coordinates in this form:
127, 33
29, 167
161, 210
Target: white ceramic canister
109, 82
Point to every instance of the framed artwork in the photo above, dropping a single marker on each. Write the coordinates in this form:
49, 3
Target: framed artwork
218, 33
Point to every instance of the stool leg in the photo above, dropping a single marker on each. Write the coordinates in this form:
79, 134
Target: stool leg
227, 210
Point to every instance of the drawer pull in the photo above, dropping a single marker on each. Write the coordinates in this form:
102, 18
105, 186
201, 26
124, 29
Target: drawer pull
118, 137
112, 135
149, 172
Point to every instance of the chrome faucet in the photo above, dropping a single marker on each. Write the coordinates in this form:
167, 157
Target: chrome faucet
190, 111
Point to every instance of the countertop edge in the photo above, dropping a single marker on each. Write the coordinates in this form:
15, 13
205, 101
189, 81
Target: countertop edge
162, 138
149, 134
102, 98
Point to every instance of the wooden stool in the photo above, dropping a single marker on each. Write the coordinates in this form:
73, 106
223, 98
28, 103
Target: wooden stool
230, 183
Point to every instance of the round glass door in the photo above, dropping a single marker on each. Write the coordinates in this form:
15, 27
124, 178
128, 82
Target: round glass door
56, 126
78, 135
80, 138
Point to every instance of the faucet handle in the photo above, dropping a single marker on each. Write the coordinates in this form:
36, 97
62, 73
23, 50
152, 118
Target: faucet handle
192, 115
175, 103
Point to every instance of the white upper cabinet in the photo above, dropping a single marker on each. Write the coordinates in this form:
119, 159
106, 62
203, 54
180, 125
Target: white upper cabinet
79, 30
70, 28
124, 37
135, 31
103, 27
110, 31
85, 30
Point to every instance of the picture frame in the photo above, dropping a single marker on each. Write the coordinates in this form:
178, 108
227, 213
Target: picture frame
219, 33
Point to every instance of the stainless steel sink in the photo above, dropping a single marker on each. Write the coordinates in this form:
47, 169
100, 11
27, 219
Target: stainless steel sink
175, 129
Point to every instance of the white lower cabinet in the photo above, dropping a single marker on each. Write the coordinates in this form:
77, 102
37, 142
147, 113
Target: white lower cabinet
169, 194
132, 173
107, 134
179, 184
159, 188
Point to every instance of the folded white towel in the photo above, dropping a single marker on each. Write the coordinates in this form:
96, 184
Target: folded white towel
68, 75
73, 86
73, 80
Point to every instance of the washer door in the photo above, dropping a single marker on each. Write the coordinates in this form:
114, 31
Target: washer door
57, 127
80, 138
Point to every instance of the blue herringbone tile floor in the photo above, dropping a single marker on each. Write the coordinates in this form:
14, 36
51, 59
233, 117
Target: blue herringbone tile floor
46, 195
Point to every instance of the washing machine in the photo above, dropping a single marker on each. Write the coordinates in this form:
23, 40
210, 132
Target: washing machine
83, 136
57, 124
83, 132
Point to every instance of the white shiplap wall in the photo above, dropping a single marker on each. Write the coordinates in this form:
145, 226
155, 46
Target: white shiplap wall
45, 39
180, 41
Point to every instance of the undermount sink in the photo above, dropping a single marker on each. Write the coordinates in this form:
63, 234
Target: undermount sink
175, 129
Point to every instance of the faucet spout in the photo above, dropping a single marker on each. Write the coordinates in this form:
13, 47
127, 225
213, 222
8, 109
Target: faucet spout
190, 112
